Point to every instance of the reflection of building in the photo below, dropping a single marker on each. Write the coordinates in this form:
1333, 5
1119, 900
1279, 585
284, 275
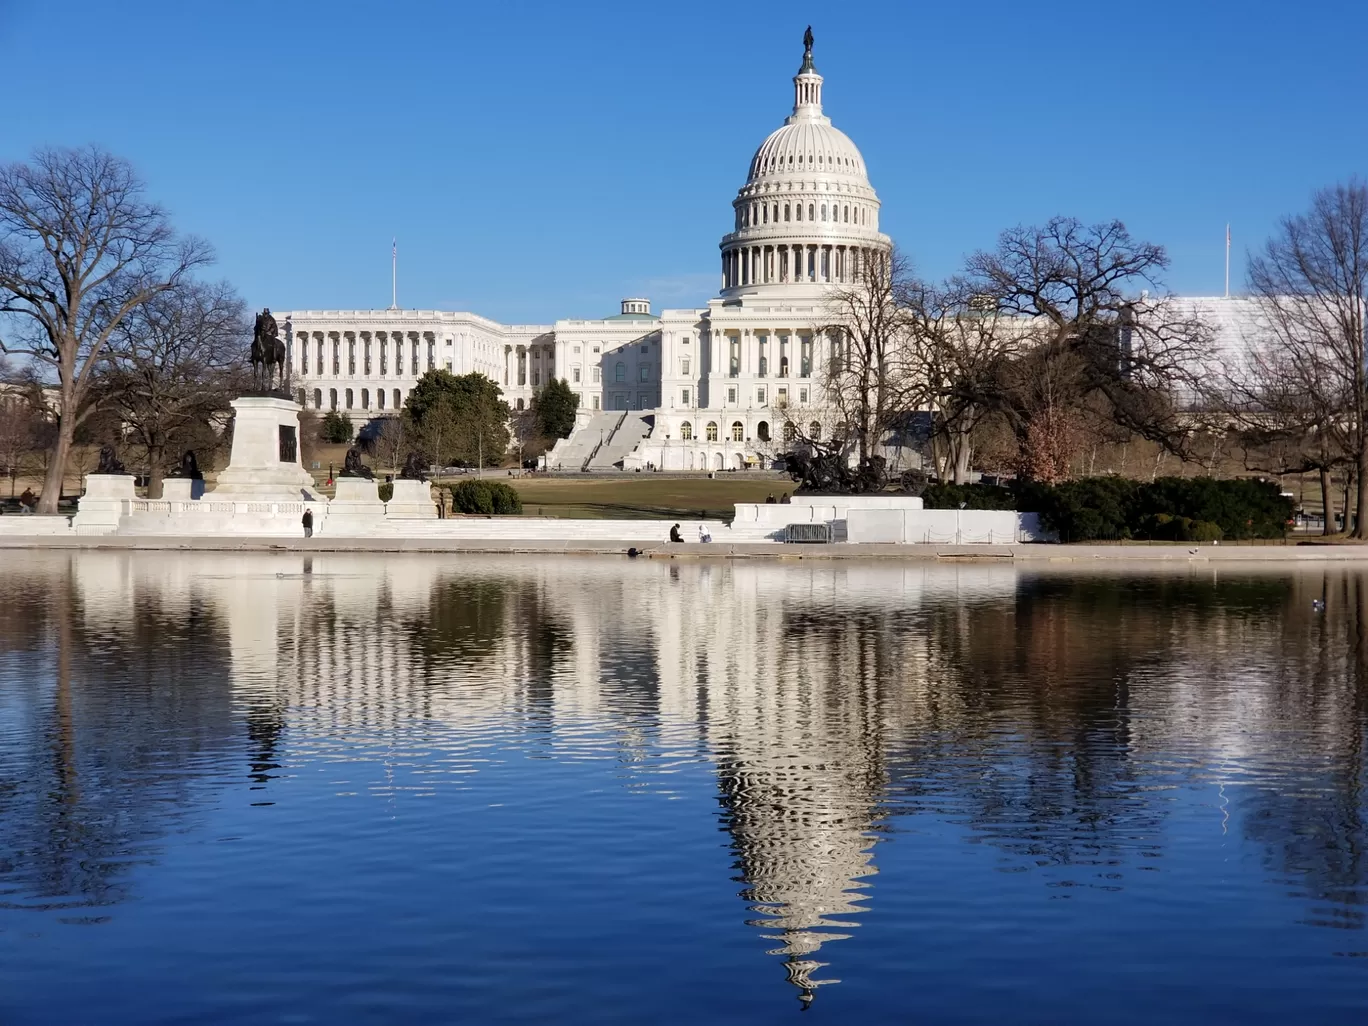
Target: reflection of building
710, 383
1020, 706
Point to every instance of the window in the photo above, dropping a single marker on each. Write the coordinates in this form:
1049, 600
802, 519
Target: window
351, 357
847, 213
803, 396
684, 366
786, 212
349, 398
596, 402
685, 395
824, 212
536, 377
645, 348
762, 431
731, 394
365, 350
815, 431
712, 431
764, 214
379, 398
596, 348
799, 212
519, 404
645, 372
365, 398
762, 345
790, 432
575, 373
594, 375
577, 348
684, 340
760, 396
734, 359
686, 431
397, 401
318, 398
432, 356
811, 208
738, 431
805, 359
332, 398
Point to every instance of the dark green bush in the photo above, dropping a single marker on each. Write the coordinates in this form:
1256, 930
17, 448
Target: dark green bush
487, 497
1200, 509
973, 496
337, 428
386, 491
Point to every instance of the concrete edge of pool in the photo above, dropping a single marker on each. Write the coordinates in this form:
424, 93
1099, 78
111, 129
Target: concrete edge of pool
654, 549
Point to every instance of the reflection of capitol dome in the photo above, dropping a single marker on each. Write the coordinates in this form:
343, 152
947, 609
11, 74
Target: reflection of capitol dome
807, 213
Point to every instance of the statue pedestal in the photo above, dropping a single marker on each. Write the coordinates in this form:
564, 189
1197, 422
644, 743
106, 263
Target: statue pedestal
105, 500
265, 464
182, 489
412, 500
355, 509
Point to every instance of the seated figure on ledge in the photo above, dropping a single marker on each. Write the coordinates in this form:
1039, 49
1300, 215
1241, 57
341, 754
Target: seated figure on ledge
415, 468
353, 467
109, 462
189, 467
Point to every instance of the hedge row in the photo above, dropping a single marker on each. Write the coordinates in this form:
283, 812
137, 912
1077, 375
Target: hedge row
1107, 508
488, 497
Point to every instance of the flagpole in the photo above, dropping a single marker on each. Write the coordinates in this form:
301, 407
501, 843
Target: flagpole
394, 275
1227, 291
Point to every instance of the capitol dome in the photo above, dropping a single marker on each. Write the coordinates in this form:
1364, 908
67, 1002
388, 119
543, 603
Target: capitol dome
807, 217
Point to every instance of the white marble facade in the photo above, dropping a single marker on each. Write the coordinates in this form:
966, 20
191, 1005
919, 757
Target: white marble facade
714, 383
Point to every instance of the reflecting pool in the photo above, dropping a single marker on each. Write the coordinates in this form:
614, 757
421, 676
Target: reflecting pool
380, 789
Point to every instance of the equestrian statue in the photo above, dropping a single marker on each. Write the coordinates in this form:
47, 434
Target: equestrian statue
268, 354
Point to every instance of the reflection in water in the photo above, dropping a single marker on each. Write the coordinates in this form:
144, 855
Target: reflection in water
1047, 716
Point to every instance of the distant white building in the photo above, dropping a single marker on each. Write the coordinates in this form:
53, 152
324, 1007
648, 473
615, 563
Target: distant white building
688, 389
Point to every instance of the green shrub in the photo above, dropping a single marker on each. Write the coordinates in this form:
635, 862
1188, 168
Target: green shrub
487, 497
386, 491
973, 496
337, 428
1166, 509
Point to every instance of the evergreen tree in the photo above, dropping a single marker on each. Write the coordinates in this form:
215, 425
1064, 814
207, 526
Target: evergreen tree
458, 419
554, 407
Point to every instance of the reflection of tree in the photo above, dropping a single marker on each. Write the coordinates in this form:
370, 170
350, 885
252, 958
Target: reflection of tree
118, 732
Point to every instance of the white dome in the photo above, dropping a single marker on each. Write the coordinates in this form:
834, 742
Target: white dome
807, 146
807, 217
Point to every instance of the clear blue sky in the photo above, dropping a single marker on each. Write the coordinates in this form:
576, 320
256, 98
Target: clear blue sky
541, 160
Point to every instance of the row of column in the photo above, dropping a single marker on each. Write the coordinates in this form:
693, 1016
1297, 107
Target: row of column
519, 361
766, 354
799, 262
347, 354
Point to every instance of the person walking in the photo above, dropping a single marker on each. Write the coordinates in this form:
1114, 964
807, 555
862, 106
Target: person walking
307, 521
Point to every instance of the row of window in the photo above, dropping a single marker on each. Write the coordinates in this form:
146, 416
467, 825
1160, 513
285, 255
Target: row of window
349, 399
809, 160
619, 373
758, 213
738, 431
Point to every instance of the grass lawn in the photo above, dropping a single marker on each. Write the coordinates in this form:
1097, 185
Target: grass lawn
642, 497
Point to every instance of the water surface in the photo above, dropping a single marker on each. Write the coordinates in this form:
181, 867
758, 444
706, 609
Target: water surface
379, 789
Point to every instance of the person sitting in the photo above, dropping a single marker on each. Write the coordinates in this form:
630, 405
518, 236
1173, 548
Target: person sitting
704, 535
675, 536
770, 500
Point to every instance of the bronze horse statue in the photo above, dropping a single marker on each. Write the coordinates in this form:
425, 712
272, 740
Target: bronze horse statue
268, 353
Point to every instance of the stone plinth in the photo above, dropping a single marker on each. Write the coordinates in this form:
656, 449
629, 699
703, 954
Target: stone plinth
265, 462
106, 499
355, 509
412, 500
182, 489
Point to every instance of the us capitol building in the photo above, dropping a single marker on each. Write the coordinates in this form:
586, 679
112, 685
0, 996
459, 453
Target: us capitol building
694, 389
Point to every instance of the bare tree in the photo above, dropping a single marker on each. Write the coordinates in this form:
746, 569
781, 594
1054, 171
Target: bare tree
173, 365
959, 344
1091, 336
1311, 282
391, 443
867, 381
80, 249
